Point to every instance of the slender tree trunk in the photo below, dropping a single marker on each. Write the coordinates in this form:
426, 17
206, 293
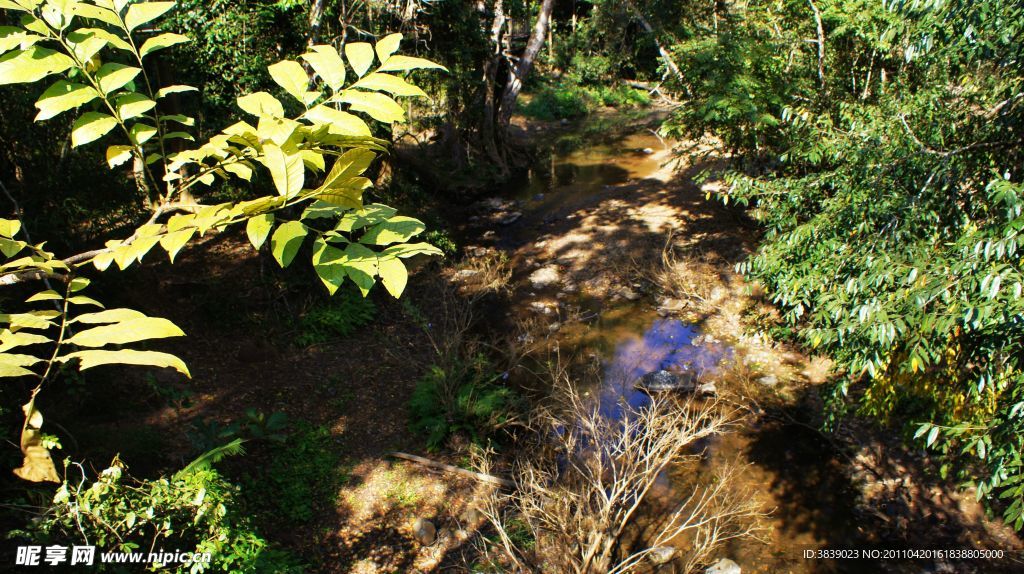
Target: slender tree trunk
821, 44
487, 130
665, 55
519, 72
316, 16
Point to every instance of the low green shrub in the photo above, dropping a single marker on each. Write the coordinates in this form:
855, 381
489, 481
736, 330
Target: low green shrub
336, 317
566, 100
195, 510
570, 100
464, 398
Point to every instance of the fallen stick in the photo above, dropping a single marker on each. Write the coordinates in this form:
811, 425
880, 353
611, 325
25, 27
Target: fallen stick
450, 468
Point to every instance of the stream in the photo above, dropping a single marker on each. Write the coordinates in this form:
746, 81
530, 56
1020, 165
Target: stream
795, 474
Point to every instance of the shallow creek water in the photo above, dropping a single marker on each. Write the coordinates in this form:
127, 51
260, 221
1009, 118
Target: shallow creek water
790, 469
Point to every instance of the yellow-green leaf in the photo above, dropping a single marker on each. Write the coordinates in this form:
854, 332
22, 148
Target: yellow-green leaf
175, 240
286, 241
142, 133
161, 41
261, 104
361, 266
277, 130
90, 359
139, 14
90, 127
12, 37
399, 63
378, 106
411, 249
108, 316
175, 89
118, 154
133, 105
338, 122
290, 76
32, 65
112, 76
11, 247
16, 360
398, 229
83, 300
360, 56
394, 85
327, 64
48, 295
63, 96
286, 169
7, 370
86, 43
349, 164
10, 339
9, 227
393, 275
388, 45
130, 331
86, 10
258, 228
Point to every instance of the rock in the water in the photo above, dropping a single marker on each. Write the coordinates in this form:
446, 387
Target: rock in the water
724, 566
662, 554
464, 274
629, 294
564, 121
648, 150
424, 531
509, 218
545, 277
708, 389
768, 380
664, 381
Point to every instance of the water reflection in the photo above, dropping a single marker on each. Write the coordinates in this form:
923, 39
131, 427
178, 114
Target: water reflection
667, 344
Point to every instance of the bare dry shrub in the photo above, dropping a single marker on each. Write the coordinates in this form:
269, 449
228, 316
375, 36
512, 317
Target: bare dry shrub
490, 272
582, 489
686, 278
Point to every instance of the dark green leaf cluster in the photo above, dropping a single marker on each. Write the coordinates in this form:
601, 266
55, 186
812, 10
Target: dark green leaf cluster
892, 204
465, 398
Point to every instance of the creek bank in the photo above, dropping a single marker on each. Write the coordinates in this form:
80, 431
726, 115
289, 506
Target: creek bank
613, 245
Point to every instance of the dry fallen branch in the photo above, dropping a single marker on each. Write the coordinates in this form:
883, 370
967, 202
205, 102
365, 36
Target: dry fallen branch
482, 477
582, 490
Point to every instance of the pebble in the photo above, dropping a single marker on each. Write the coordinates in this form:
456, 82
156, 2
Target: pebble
662, 554
424, 531
724, 566
707, 389
768, 380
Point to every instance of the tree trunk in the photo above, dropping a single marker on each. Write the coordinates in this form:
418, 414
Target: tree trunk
316, 16
519, 72
487, 129
669, 62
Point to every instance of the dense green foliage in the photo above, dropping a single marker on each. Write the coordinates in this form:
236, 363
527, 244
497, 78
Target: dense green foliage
194, 510
570, 100
464, 399
892, 201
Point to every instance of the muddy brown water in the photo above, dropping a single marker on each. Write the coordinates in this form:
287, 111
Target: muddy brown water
790, 469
